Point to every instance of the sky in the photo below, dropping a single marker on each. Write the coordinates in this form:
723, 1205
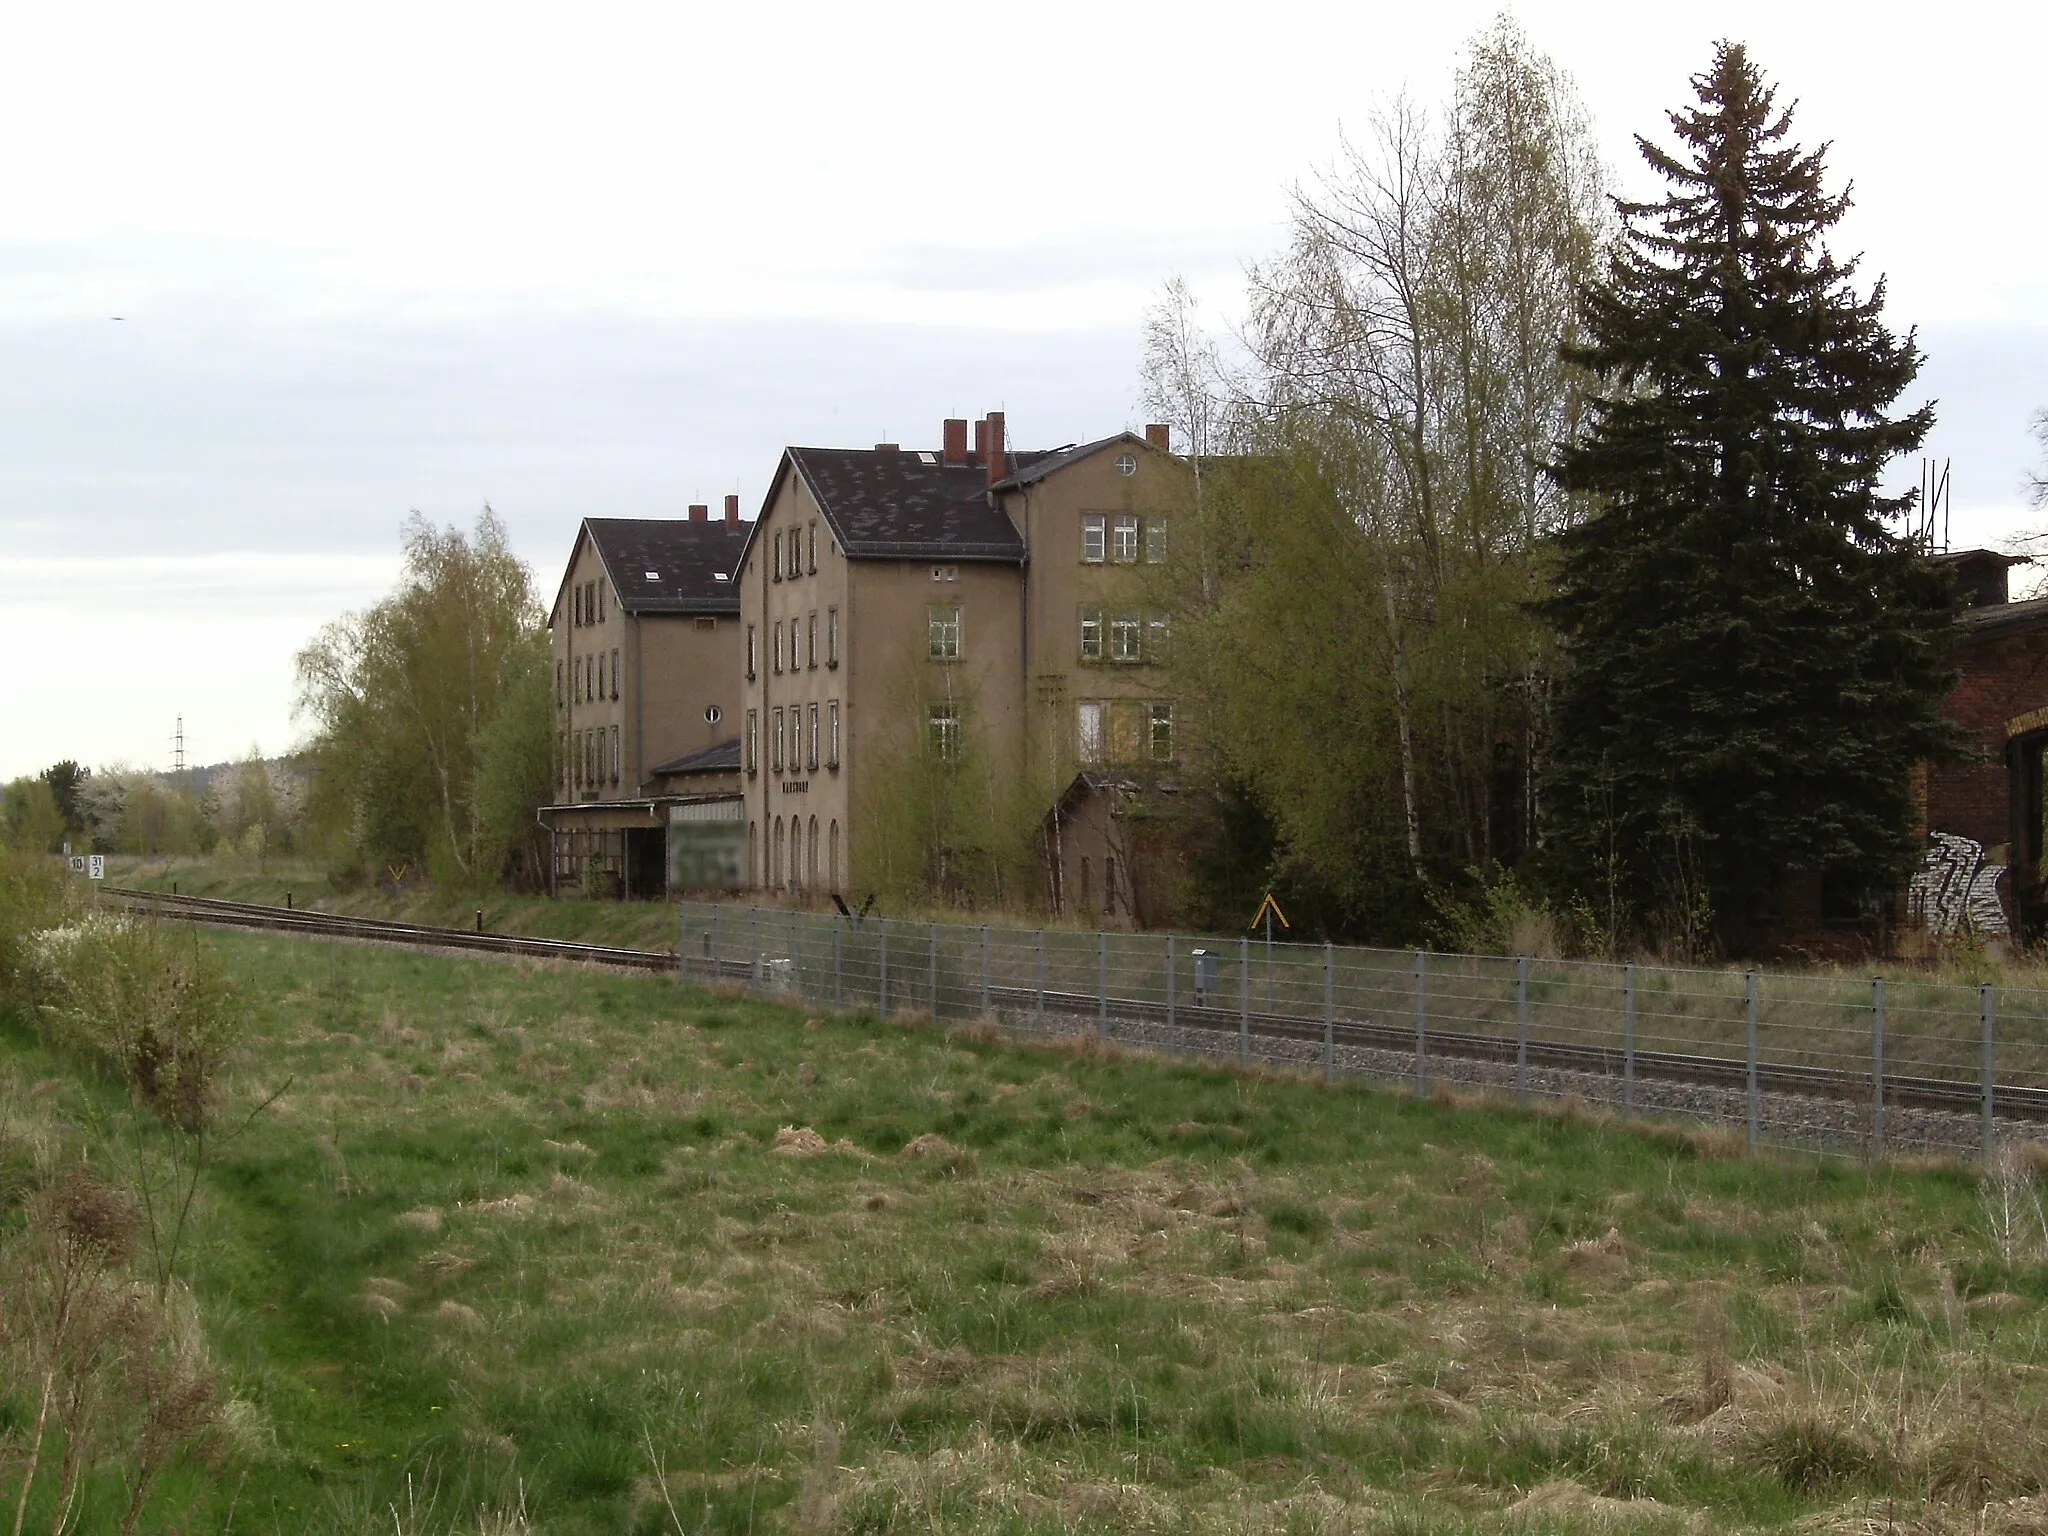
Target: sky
272, 277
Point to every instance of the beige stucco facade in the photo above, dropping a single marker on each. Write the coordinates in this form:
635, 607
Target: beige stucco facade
1032, 697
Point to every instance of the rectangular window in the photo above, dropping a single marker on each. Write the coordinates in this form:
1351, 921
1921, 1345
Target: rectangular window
1125, 632
1155, 540
707, 624
558, 685
776, 565
775, 740
1159, 721
600, 602
945, 732
752, 645
616, 754
1126, 731
814, 546
811, 639
753, 741
1125, 545
576, 679
942, 632
831, 733
1094, 538
831, 637
1157, 633
1091, 634
811, 757
576, 607
1088, 733
778, 646
615, 674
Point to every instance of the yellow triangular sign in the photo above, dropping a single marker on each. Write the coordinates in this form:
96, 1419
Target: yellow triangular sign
1269, 902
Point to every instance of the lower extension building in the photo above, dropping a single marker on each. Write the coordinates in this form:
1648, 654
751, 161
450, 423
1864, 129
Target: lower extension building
972, 622
646, 638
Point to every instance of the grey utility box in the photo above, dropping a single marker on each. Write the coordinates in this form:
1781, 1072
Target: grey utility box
1205, 976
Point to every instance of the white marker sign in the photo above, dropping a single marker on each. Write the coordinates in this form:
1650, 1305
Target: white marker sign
96, 866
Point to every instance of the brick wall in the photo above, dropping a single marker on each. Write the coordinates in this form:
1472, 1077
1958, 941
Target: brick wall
2003, 676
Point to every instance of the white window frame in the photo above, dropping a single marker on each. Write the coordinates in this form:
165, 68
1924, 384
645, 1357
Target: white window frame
1159, 730
1088, 722
831, 637
753, 741
811, 757
942, 721
1094, 538
1091, 633
775, 740
1158, 634
942, 632
753, 651
1126, 638
811, 640
1155, 540
1124, 540
831, 733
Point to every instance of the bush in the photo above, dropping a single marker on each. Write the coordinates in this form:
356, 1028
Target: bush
36, 894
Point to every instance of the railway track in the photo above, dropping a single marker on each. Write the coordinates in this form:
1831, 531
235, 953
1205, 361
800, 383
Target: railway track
1448, 1047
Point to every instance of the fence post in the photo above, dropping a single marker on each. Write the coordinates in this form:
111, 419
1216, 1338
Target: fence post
1329, 1011
754, 948
1421, 1024
1170, 998
984, 971
717, 967
1987, 1019
1522, 1028
932, 958
796, 965
1749, 995
1039, 1006
1101, 982
1628, 1041
1244, 998
1877, 1066
838, 963
882, 981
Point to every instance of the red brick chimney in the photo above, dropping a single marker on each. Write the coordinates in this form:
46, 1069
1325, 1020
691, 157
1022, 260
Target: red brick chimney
998, 462
1159, 435
955, 451
980, 442
888, 447
698, 512
732, 509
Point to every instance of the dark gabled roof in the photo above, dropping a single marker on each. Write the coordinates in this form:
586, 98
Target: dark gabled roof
1052, 463
907, 505
1993, 619
668, 564
720, 757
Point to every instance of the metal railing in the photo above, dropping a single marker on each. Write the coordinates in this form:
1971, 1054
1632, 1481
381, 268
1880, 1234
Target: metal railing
1834, 1062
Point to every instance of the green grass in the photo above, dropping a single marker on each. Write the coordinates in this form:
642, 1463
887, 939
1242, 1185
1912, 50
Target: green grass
515, 1235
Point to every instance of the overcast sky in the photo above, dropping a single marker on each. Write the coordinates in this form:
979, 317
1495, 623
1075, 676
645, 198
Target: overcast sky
606, 259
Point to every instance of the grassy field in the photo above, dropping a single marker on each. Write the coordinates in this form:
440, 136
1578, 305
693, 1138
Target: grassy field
525, 1247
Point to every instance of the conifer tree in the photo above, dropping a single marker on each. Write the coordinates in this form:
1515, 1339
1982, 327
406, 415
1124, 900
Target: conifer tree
1756, 659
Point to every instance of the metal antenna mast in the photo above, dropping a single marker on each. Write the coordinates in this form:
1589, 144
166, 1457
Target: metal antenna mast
178, 747
1931, 512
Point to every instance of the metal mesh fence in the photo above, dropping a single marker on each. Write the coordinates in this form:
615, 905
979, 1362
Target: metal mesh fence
1840, 1063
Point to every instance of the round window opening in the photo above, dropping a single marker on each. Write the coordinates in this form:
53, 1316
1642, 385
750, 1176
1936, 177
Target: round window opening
1127, 464
713, 713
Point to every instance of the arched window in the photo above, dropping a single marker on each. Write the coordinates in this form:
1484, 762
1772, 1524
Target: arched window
834, 852
775, 875
753, 854
811, 856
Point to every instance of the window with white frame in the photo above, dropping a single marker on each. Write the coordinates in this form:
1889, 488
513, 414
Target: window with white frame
777, 626
1124, 543
1159, 731
1091, 634
942, 631
618, 757
1088, 732
811, 756
831, 637
831, 733
814, 546
615, 674
752, 647
1094, 538
775, 740
775, 565
753, 741
944, 724
1126, 631
811, 640
1155, 540
1158, 631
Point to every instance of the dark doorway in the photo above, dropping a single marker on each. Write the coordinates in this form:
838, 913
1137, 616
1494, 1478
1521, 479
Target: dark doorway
646, 863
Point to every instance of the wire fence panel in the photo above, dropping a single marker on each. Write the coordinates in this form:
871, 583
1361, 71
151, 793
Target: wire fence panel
1835, 1062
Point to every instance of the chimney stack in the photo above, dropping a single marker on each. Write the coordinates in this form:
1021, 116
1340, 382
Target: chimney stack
697, 512
980, 442
732, 509
998, 462
955, 451
1159, 435
888, 447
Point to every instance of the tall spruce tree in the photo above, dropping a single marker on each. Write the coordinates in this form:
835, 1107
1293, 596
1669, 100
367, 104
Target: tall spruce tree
1756, 659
